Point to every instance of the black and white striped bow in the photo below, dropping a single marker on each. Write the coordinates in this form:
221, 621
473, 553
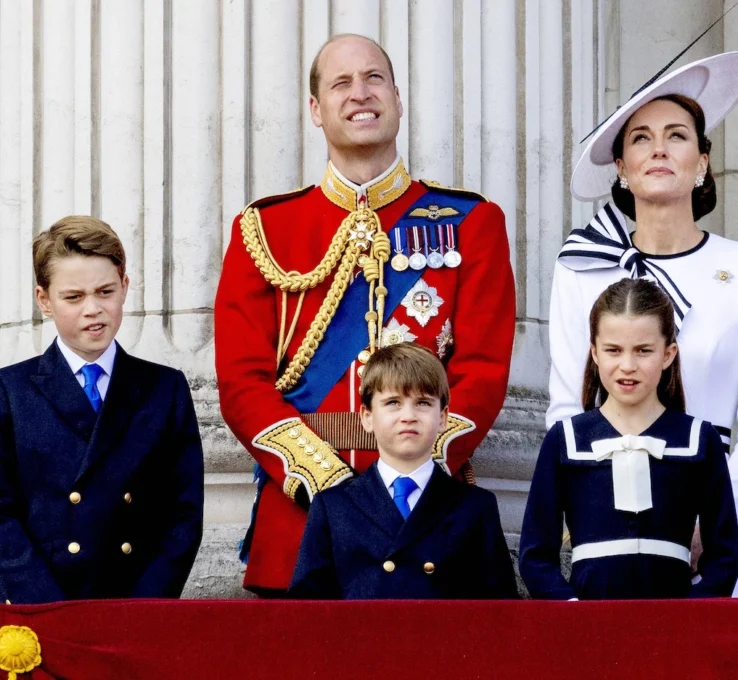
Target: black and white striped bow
605, 242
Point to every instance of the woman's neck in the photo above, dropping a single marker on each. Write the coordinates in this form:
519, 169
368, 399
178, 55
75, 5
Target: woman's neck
628, 419
665, 229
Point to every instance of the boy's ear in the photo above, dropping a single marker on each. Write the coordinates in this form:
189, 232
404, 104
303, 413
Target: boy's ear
443, 420
125, 281
366, 418
42, 300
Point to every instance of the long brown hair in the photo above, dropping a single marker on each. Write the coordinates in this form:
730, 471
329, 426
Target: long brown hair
635, 297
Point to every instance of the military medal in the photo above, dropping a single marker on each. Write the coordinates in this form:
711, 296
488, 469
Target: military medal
445, 339
451, 257
435, 259
399, 262
422, 302
395, 332
417, 259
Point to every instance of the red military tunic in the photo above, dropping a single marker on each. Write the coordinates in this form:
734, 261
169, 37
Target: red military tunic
467, 318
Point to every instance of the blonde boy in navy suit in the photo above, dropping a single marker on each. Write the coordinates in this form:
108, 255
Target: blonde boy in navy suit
404, 529
101, 468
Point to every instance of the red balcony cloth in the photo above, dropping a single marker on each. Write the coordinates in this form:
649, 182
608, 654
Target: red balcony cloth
251, 640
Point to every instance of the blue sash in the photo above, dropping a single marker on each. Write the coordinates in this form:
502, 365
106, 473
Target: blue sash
346, 335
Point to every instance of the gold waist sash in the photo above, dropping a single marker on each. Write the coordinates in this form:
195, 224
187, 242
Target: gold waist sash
343, 431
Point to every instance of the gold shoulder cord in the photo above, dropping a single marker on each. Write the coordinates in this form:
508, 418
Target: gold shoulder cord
359, 240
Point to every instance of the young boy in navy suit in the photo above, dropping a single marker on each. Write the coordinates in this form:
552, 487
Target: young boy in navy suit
101, 467
404, 529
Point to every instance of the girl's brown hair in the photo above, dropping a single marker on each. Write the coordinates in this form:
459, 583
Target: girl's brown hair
635, 297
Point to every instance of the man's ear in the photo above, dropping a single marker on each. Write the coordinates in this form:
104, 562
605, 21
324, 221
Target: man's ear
315, 112
42, 300
366, 419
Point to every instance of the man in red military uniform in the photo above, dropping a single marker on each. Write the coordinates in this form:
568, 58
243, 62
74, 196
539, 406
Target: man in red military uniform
315, 280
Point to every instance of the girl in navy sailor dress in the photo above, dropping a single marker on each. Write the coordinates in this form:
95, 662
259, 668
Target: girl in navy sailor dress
630, 477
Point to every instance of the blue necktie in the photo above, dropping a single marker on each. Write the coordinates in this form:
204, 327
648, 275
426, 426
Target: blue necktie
91, 373
403, 487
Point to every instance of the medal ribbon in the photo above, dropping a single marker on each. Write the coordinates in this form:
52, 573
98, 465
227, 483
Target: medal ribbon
416, 241
399, 245
440, 228
450, 236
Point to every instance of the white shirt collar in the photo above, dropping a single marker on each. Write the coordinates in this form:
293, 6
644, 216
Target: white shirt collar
420, 475
361, 189
75, 361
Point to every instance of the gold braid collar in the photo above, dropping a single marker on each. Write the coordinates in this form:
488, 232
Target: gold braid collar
359, 240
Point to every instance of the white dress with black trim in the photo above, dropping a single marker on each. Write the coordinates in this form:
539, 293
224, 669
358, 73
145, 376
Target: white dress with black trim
702, 282
630, 504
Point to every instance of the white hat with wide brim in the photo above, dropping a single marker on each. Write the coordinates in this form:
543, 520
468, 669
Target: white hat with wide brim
712, 82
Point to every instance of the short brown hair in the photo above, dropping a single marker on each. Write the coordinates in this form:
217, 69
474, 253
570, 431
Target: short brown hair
634, 297
315, 72
704, 198
76, 235
406, 367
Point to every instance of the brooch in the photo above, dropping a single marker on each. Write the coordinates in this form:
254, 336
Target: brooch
723, 276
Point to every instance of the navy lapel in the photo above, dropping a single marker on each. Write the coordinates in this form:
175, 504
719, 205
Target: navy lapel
369, 493
60, 387
120, 405
439, 497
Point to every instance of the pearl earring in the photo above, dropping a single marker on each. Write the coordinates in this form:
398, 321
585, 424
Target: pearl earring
699, 181
624, 183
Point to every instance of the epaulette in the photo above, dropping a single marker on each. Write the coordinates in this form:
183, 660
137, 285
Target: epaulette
278, 198
436, 186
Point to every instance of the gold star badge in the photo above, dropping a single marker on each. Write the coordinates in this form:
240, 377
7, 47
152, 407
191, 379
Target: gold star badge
723, 276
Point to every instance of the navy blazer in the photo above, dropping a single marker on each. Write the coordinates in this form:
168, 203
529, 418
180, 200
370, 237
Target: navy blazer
97, 505
357, 546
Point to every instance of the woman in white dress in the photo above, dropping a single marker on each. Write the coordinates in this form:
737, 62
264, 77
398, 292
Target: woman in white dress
653, 156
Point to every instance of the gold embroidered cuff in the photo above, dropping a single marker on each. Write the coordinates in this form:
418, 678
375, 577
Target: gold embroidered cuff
307, 458
457, 425
292, 486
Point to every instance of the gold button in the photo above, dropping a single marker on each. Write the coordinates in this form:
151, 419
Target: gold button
389, 566
75, 497
326, 465
309, 449
317, 457
126, 548
364, 356
302, 441
360, 371
293, 432
74, 548
429, 567
127, 497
